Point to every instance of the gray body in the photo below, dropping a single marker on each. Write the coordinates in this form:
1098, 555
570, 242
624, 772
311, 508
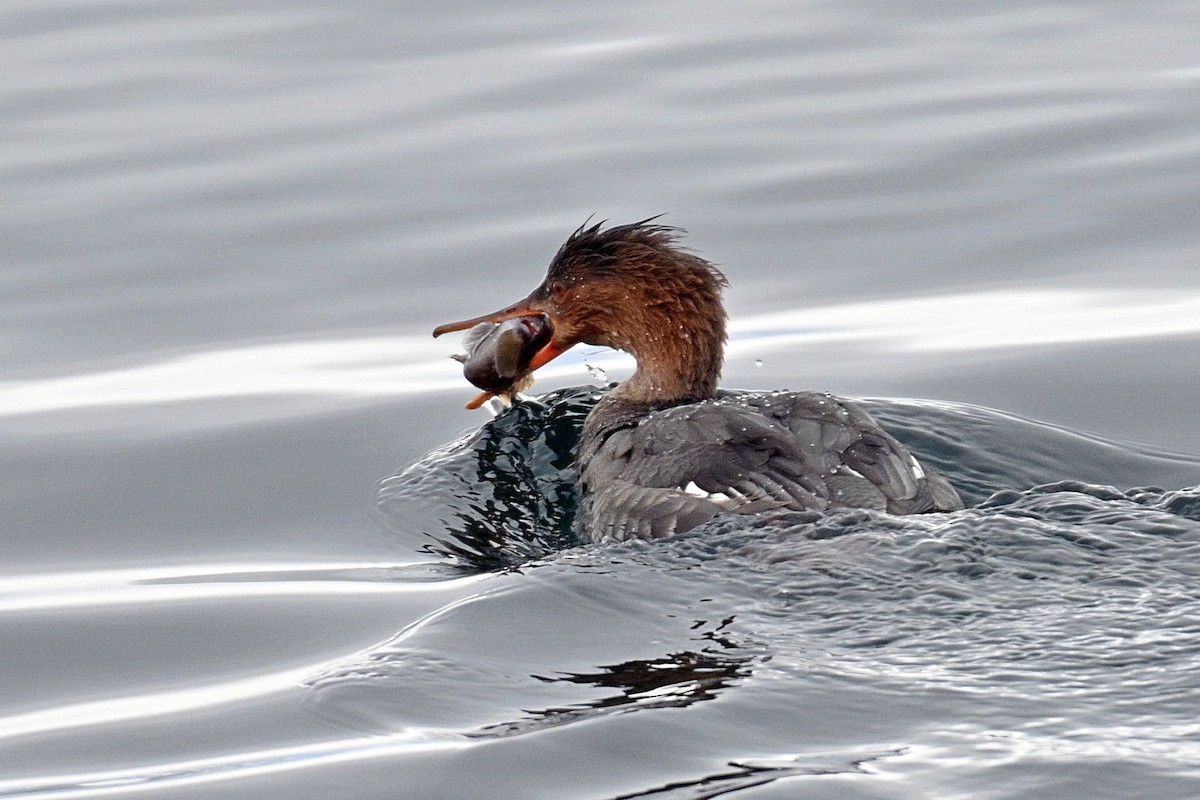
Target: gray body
647, 473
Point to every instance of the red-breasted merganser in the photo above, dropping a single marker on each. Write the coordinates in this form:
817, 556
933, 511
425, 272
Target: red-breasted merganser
661, 453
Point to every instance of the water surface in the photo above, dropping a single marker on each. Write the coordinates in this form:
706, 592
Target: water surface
230, 228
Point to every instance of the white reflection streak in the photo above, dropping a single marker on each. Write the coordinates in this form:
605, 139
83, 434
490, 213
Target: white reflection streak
401, 366
232, 766
140, 586
151, 705
604, 47
362, 367
983, 320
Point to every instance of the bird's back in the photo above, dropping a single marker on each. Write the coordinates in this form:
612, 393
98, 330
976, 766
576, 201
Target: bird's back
647, 473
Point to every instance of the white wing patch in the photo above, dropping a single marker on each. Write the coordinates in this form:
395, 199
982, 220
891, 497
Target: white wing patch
696, 491
916, 467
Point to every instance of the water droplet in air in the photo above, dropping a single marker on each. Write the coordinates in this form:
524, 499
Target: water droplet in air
758, 362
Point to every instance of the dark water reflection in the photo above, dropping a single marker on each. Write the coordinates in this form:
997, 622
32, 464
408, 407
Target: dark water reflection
229, 228
501, 497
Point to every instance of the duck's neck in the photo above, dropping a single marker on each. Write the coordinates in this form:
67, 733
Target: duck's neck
679, 356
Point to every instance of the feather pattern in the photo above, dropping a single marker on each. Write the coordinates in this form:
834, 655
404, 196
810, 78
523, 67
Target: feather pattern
649, 472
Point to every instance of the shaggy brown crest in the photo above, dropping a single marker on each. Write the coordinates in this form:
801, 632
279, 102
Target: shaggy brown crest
633, 288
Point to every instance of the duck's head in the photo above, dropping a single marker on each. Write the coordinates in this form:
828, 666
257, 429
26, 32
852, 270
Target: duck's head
632, 288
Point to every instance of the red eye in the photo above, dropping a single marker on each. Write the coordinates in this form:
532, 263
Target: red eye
558, 289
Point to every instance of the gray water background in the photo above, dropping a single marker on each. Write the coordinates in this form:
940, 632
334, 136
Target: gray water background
228, 229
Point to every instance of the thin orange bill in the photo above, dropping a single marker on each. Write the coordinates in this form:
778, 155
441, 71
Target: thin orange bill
521, 309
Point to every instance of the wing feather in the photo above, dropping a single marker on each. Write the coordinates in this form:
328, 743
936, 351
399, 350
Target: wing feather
747, 453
